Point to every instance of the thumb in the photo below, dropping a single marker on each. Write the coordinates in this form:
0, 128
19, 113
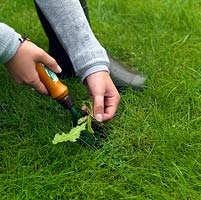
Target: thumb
49, 62
40, 87
98, 108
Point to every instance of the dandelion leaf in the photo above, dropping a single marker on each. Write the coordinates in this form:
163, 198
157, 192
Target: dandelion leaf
72, 136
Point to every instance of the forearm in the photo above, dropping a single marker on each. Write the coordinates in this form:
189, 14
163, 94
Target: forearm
70, 24
9, 42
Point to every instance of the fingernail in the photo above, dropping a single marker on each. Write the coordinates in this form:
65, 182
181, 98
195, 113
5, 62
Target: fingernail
59, 69
99, 117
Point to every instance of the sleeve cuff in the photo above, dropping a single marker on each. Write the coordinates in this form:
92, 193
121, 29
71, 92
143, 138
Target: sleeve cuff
11, 48
94, 69
9, 42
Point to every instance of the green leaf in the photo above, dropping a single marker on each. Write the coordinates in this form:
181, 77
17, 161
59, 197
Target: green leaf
72, 136
82, 120
89, 128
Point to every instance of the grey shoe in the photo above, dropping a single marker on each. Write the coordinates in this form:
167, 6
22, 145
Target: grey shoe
123, 76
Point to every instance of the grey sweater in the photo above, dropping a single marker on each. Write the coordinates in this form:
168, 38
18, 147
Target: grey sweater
9, 42
73, 31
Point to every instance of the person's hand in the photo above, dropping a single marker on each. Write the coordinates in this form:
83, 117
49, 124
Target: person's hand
22, 65
104, 95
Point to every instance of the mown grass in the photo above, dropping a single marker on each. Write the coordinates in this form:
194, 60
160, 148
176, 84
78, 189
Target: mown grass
153, 149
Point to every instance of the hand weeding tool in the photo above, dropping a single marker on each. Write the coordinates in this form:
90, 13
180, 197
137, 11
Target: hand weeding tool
58, 91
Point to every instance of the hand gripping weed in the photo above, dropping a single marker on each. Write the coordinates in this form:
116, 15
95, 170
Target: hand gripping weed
92, 132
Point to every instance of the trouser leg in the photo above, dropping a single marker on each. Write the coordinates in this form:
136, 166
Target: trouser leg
56, 50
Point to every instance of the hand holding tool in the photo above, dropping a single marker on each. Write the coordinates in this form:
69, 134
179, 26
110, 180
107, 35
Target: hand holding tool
58, 91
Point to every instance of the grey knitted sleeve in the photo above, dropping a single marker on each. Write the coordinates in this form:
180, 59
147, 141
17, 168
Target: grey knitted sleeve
73, 31
9, 42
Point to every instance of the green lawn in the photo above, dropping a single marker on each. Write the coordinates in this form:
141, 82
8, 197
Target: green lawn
154, 148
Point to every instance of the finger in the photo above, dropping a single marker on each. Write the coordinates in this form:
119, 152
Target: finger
109, 113
85, 110
50, 62
42, 89
98, 108
110, 108
38, 86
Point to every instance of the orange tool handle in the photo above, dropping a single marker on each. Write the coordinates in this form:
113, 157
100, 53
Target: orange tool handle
55, 87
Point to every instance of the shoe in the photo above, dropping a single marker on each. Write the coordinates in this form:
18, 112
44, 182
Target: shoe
123, 76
